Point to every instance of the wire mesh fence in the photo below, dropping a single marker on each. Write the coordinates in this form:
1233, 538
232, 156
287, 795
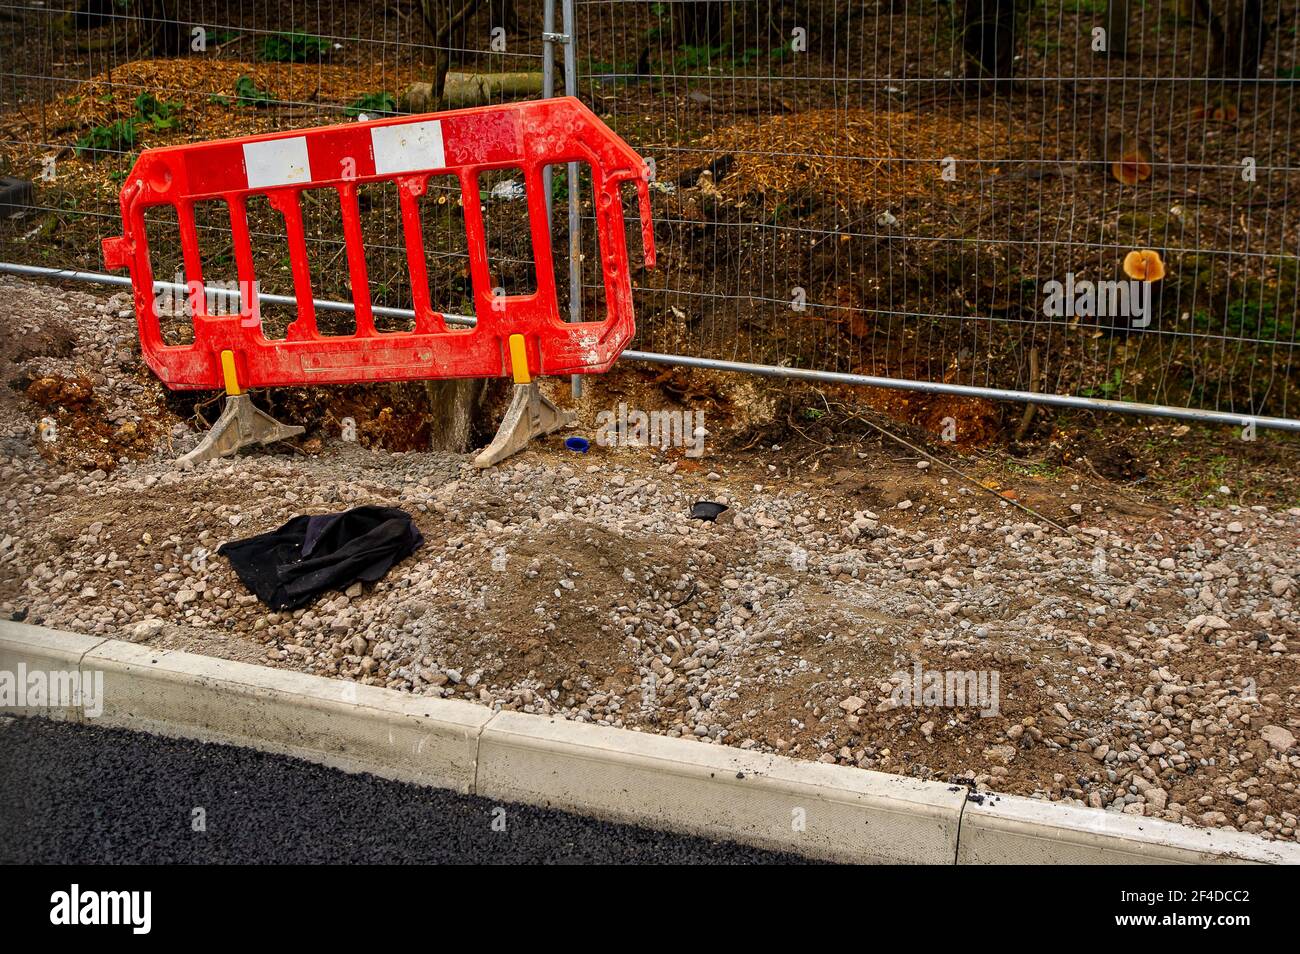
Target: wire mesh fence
87, 86
1077, 197
949, 192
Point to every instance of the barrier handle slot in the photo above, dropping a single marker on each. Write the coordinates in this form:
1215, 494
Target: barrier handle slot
250, 306
476, 241
288, 204
354, 243
409, 190
194, 288
647, 223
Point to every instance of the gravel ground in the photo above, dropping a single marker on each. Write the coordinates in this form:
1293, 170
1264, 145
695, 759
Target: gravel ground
1146, 657
76, 794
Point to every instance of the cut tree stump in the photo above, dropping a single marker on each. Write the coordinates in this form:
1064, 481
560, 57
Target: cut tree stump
452, 408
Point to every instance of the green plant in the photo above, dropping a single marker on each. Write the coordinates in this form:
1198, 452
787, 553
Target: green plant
120, 135
247, 93
560, 183
661, 26
1251, 313
702, 57
292, 47
1108, 387
1258, 319
559, 187
117, 136
697, 57
157, 113
372, 104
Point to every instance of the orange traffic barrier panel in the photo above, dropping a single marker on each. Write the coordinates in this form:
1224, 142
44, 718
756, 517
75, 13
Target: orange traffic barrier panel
518, 335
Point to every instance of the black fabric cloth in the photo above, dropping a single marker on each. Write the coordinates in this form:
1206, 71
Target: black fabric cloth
291, 566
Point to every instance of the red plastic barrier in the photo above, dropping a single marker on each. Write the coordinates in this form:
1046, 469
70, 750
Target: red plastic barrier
406, 150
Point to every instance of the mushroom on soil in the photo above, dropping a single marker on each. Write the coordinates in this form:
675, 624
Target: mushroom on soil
1145, 265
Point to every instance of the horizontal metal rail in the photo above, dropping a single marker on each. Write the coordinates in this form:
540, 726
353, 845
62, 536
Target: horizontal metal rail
742, 367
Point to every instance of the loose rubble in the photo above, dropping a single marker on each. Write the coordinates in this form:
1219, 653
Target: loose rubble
1146, 666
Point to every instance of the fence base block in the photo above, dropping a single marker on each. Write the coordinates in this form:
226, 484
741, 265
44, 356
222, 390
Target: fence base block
531, 414
242, 424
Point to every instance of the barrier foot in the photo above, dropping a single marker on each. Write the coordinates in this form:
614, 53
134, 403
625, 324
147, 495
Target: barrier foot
531, 414
242, 424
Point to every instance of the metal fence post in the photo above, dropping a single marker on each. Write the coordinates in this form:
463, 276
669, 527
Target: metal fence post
548, 82
566, 39
575, 222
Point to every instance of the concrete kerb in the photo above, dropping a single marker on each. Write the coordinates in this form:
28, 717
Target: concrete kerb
825, 811
330, 721
34, 648
1009, 829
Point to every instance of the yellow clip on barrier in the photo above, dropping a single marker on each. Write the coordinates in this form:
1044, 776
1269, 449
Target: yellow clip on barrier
228, 373
519, 360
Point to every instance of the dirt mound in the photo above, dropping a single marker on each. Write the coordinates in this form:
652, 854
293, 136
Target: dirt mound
71, 387
541, 630
53, 391
855, 155
962, 421
78, 430
208, 87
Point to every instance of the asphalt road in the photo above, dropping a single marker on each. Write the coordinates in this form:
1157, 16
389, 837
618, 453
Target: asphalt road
79, 794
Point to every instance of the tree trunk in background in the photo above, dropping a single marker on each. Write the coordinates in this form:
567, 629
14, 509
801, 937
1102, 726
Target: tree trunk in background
446, 22
158, 31
505, 15
1119, 15
93, 14
989, 37
698, 23
1239, 35
766, 24
452, 408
